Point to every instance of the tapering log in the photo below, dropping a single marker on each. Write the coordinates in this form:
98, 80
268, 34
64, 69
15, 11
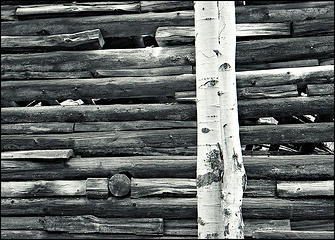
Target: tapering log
294, 167
91, 39
42, 188
305, 189
162, 71
37, 128
97, 188
38, 154
256, 51
165, 6
119, 185
185, 187
111, 88
313, 225
77, 8
43, 75
324, 26
168, 208
293, 235
320, 89
275, 65
168, 36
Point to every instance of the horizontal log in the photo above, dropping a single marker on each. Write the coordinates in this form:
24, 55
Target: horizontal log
111, 88
85, 224
313, 27
256, 51
293, 235
43, 75
294, 167
275, 65
144, 142
77, 8
329, 61
91, 39
171, 35
189, 227
169, 208
313, 225
320, 89
185, 187
305, 189
96, 188
36, 128
43, 189
162, 71
38, 154
164, 6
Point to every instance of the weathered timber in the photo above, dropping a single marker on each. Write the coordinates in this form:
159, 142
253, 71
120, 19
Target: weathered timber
313, 27
313, 225
142, 142
91, 39
162, 6
119, 185
256, 51
42, 188
36, 128
169, 208
293, 234
38, 154
8, 13
145, 72
85, 224
77, 8
305, 189
320, 89
43, 75
189, 227
97, 188
275, 65
294, 167
168, 36
329, 61
111, 88
185, 187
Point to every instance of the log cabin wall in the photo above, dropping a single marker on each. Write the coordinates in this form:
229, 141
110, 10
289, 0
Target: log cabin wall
98, 119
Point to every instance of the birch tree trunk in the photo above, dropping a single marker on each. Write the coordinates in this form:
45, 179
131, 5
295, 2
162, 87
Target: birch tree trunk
234, 178
209, 157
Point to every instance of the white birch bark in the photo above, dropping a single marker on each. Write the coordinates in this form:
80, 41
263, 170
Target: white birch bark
234, 178
209, 157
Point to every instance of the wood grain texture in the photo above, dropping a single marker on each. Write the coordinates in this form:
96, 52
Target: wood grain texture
97, 188
294, 167
313, 225
275, 65
294, 189
119, 185
293, 235
313, 27
43, 75
8, 13
36, 128
38, 154
320, 89
165, 6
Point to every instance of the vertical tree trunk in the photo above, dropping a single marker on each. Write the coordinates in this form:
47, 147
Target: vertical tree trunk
209, 157
234, 178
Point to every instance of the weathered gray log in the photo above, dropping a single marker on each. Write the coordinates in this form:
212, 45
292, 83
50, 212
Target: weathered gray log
43, 75
36, 128
324, 26
165, 6
185, 187
96, 188
8, 13
145, 72
256, 51
111, 88
275, 65
313, 225
189, 227
329, 61
91, 39
42, 188
294, 167
320, 89
293, 234
168, 208
167, 36
305, 189
76, 8
142, 142
38, 154
119, 185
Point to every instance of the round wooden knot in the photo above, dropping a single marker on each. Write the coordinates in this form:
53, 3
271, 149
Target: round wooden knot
119, 185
